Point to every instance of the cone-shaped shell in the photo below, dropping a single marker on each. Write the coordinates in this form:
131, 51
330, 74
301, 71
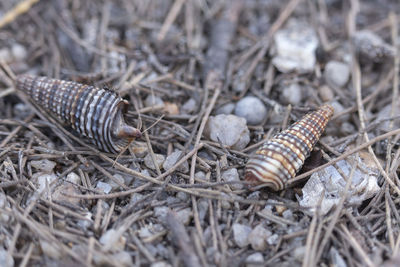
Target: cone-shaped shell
96, 113
280, 158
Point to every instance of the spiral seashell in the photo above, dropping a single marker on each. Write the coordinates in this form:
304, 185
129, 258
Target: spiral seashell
280, 158
93, 112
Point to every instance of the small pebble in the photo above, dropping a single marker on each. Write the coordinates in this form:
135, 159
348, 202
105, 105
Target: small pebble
161, 213
336, 73
182, 196
112, 240
255, 259
3, 204
5, 55
171, 108
148, 161
338, 261
153, 100
295, 48
119, 178
252, 109
288, 214
73, 178
43, 165
371, 47
258, 238
326, 93
200, 175
122, 258
299, 253
231, 130
338, 108
144, 232
160, 264
50, 250
292, 94
273, 239
104, 187
202, 206
189, 106
6, 260
43, 179
347, 128
61, 194
184, 215
225, 109
19, 52
172, 159
136, 197
21, 110
241, 234
232, 175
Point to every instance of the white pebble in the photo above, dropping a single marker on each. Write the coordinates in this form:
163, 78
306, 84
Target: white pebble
172, 159
44, 165
231, 130
119, 178
299, 253
19, 52
160, 264
326, 93
241, 234
43, 179
50, 250
161, 213
295, 48
153, 100
73, 178
255, 259
232, 175
258, 238
122, 258
273, 239
292, 94
3, 204
148, 161
112, 240
225, 109
336, 73
184, 215
140, 149
252, 109
104, 187
21, 110
189, 106
6, 259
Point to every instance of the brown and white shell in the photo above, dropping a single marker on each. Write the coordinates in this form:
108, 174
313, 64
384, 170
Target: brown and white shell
96, 113
280, 158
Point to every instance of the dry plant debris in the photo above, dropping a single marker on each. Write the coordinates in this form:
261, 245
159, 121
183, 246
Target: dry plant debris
208, 83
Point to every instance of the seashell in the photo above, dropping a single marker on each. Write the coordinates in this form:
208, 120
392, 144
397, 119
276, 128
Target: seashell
280, 158
96, 113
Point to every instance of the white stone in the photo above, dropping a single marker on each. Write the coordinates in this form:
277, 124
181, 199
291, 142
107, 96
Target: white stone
19, 51
117, 177
43, 165
295, 48
241, 234
148, 161
255, 259
6, 260
225, 109
50, 250
189, 106
153, 100
231, 130
43, 178
273, 239
292, 94
104, 187
184, 215
172, 159
336, 73
258, 238
329, 184
112, 240
73, 178
252, 109
232, 175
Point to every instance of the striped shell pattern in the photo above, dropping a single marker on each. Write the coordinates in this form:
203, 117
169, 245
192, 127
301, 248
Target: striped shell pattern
279, 159
93, 112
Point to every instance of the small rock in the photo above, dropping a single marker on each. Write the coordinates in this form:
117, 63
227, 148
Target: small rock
338, 261
336, 73
232, 175
43, 165
330, 184
225, 109
295, 48
255, 259
160, 264
171, 108
240, 234
184, 215
371, 47
161, 213
182, 196
3, 204
172, 159
252, 109
144, 232
43, 179
153, 100
112, 240
258, 238
231, 130
202, 205
5, 55
326, 93
136, 197
19, 52
73, 178
50, 250
104, 187
21, 110
140, 149
288, 214
6, 260
299, 253
338, 108
292, 94
384, 115
273, 239
347, 128
148, 161
117, 177
189, 107
62, 191
200, 175
122, 258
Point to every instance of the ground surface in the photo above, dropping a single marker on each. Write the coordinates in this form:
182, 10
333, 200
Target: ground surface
64, 203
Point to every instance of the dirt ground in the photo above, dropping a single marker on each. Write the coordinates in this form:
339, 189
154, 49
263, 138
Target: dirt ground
177, 196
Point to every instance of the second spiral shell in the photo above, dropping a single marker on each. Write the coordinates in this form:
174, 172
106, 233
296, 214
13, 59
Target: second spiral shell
280, 158
96, 113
